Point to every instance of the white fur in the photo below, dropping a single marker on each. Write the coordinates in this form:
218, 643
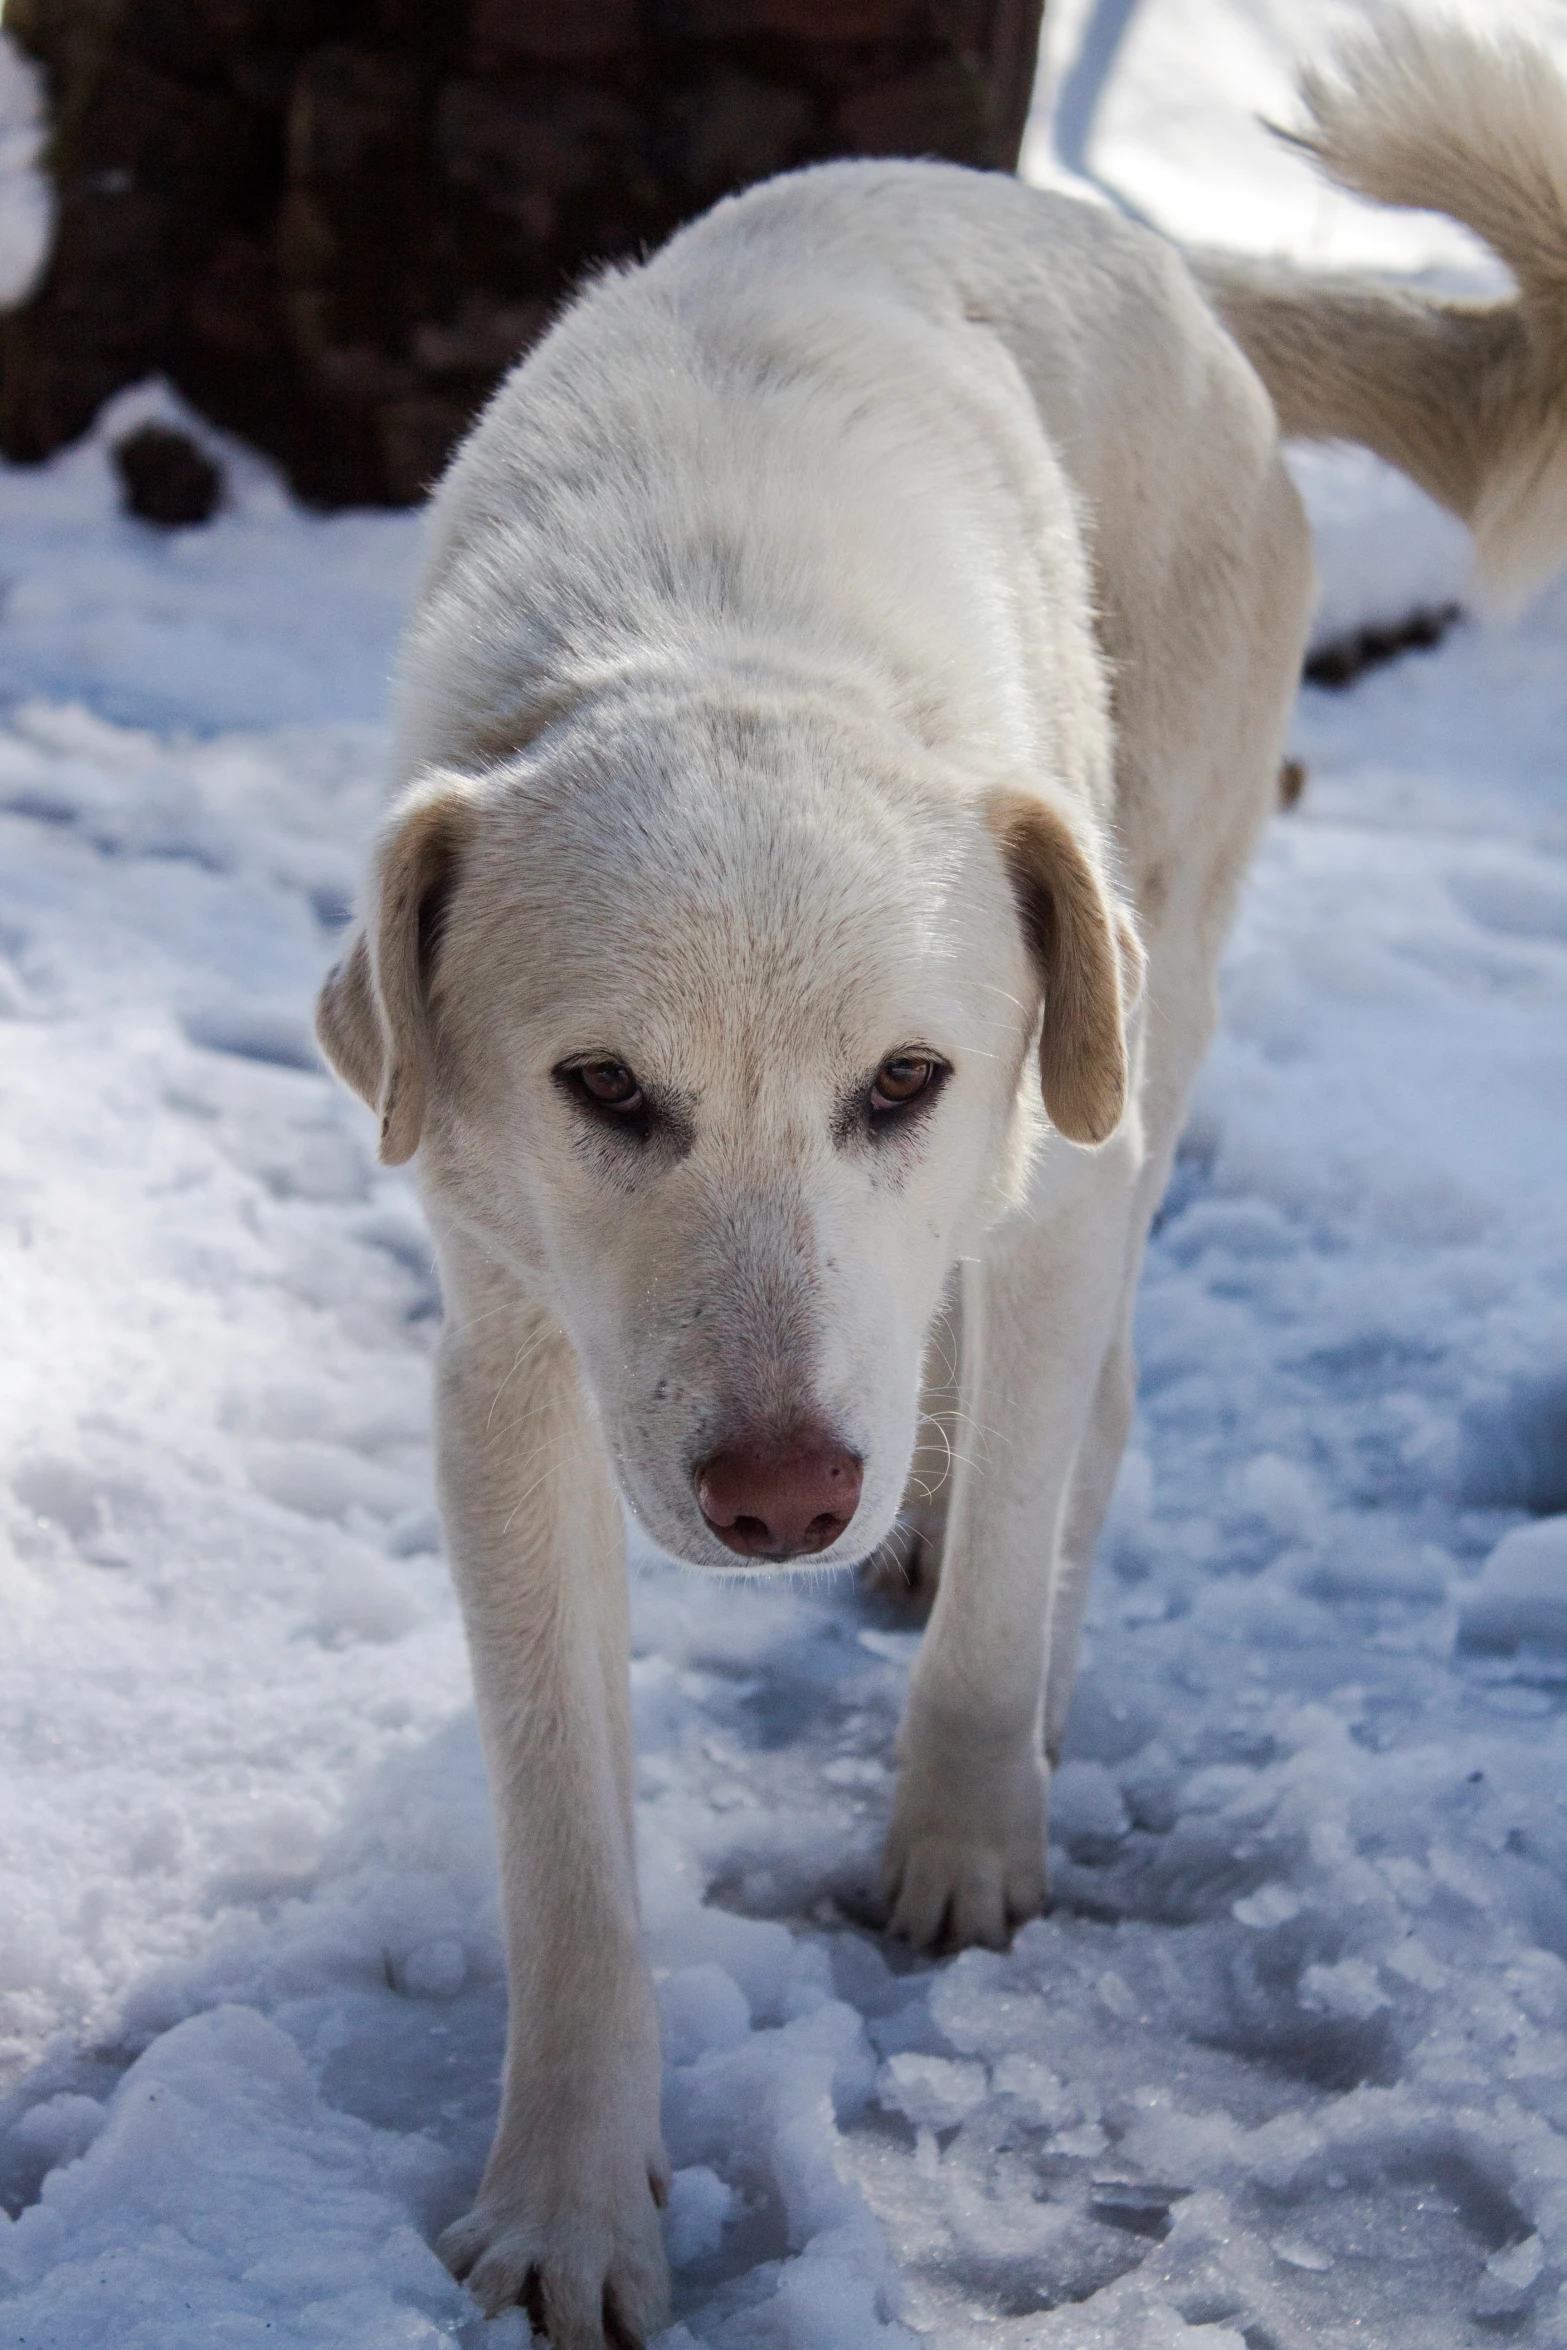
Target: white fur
870, 625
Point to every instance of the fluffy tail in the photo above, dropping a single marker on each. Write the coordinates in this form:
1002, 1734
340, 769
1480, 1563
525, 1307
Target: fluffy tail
1468, 399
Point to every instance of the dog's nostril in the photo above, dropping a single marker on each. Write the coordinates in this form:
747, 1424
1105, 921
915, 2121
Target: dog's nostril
779, 1500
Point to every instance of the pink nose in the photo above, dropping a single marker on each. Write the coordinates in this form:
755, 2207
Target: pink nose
779, 1501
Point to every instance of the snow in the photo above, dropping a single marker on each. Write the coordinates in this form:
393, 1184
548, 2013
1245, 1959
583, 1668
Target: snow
1287, 2062
1174, 106
1520, 1596
26, 199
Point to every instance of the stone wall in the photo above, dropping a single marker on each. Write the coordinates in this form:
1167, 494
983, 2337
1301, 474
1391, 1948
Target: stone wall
333, 223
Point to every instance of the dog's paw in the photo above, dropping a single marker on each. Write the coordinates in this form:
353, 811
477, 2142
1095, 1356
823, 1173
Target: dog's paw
964, 1869
943, 1895
587, 2265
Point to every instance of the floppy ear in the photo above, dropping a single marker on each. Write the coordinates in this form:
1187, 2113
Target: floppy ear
1088, 958
373, 1014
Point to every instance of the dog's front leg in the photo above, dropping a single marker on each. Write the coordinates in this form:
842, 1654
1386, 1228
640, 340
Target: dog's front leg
965, 1854
566, 2219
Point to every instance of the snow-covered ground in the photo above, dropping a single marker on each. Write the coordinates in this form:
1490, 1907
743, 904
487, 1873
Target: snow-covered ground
1287, 2063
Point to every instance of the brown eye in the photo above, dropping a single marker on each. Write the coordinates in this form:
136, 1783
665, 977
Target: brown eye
901, 1080
609, 1083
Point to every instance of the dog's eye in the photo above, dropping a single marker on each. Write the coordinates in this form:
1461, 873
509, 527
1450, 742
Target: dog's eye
901, 1080
611, 1083
608, 1085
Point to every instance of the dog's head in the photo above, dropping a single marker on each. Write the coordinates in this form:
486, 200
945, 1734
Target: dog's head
713, 1026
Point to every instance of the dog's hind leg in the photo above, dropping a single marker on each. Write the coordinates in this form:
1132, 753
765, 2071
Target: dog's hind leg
965, 1855
566, 2220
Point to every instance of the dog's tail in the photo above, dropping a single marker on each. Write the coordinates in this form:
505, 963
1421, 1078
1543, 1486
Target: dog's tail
1469, 399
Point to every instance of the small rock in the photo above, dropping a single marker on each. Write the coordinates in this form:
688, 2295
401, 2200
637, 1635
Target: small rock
165, 478
1340, 660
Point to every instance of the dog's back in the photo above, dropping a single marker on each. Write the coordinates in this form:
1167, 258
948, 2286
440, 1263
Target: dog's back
962, 444
712, 457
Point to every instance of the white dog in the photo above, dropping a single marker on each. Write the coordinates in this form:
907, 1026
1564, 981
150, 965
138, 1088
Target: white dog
849, 676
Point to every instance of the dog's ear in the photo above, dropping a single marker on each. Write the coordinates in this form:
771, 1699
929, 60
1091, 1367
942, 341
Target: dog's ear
1088, 958
373, 1015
